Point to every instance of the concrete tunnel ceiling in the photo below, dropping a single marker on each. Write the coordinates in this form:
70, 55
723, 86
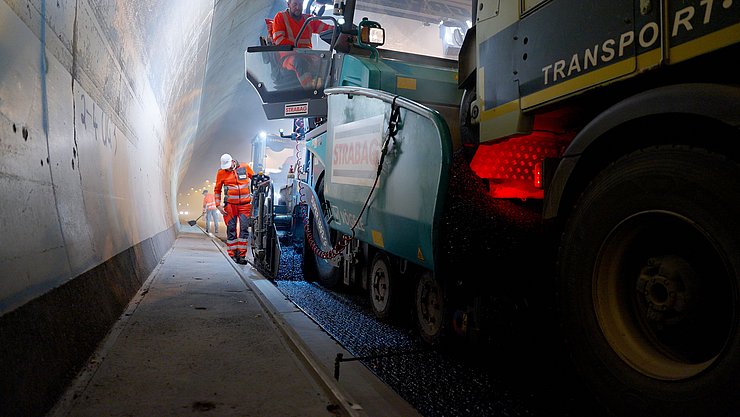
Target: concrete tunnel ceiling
230, 111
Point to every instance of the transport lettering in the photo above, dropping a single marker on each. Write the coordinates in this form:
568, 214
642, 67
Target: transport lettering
609, 49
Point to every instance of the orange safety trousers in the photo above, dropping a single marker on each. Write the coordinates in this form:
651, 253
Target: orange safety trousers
237, 239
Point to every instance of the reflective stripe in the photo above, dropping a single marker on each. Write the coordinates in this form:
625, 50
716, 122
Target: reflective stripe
288, 29
305, 42
243, 243
236, 198
209, 202
234, 184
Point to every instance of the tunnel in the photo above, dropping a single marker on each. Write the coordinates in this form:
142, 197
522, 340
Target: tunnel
113, 116
109, 110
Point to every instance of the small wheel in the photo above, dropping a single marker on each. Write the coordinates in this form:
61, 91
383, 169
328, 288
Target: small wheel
382, 287
430, 308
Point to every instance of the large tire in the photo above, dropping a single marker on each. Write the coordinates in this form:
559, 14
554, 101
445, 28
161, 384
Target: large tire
650, 284
382, 288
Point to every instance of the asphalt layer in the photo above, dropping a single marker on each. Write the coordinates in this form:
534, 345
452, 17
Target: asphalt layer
518, 369
513, 377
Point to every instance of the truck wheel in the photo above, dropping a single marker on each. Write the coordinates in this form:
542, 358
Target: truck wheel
469, 133
382, 287
649, 283
430, 308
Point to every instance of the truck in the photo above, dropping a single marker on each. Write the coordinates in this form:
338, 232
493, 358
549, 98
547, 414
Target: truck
587, 154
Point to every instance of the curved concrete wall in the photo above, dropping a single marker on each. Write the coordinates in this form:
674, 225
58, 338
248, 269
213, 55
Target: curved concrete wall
91, 114
99, 105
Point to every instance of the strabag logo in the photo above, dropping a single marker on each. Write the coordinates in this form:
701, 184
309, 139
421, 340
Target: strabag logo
356, 151
296, 109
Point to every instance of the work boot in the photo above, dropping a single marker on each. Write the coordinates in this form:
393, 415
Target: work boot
242, 261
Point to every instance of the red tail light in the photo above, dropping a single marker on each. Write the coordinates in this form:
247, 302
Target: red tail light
537, 171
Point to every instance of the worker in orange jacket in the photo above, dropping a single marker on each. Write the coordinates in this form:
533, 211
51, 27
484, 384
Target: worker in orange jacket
285, 28
234, 178
209, 211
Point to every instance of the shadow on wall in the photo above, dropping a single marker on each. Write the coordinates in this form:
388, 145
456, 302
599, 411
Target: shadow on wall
46, 342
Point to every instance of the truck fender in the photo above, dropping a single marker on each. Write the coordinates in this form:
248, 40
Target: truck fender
711, 101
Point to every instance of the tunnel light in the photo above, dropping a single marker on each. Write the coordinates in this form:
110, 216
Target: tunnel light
182, 212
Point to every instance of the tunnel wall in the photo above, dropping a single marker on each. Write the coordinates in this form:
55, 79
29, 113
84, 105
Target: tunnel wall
95, 99
46, 341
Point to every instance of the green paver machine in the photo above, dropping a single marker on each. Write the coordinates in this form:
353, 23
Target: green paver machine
378, 148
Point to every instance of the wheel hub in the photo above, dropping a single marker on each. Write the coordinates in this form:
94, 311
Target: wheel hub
379, 286
429, 305
666, 286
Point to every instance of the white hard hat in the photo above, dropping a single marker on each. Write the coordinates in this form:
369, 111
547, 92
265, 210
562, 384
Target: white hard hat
226, 161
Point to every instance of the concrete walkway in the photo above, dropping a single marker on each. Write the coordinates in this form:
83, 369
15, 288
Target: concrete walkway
205, 335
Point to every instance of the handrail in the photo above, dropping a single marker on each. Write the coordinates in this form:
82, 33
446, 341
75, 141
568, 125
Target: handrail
418, 108
312, 18
331, 45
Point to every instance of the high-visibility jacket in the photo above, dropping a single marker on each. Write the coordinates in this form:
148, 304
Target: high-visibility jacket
209, 202
285, 29
235, 183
